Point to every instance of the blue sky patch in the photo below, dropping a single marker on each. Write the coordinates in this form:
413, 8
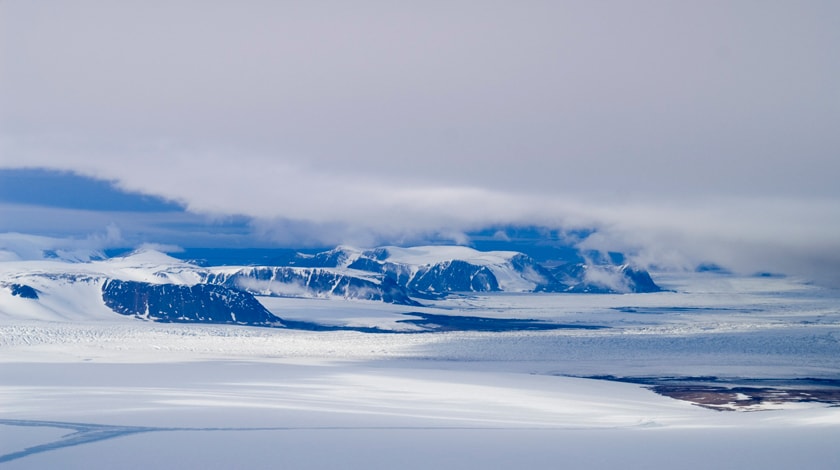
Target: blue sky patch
68, 190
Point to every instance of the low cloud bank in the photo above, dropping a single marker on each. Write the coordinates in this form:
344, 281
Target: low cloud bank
306, 208
20, 246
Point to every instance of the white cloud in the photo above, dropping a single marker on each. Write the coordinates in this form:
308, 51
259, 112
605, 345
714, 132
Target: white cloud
32, 247
162, 247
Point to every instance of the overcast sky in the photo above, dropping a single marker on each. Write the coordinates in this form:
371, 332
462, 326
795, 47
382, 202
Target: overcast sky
682, 131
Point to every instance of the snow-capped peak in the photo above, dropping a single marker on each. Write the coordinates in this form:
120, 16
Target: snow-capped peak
424, 255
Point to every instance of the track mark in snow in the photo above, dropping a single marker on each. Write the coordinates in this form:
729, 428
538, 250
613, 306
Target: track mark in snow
83, 434
87, 433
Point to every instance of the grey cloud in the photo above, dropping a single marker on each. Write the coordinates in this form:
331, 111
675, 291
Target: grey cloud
749, 235
372, 120
714, 95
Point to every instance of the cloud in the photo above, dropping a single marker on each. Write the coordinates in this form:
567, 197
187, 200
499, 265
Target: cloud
160, 247
745, 234
179, 228
681, 132
547, 97
19, 246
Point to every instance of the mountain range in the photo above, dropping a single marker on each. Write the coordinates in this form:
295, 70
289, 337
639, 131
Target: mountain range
153, 286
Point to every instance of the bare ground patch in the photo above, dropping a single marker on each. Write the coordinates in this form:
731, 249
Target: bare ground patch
746, 398
740, 394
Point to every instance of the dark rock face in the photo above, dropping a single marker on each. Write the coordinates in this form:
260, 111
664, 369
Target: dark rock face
369, 275
372, 262
573, 277
577, 279
268, 280
448, 276
325, 259
463, 276
24, 291
545, 280
640, 280
454, 276
201, 303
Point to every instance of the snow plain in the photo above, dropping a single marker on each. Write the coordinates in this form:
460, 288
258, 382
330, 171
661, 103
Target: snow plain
103, 391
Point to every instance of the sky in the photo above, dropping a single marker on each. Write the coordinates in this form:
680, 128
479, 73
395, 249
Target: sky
681, 132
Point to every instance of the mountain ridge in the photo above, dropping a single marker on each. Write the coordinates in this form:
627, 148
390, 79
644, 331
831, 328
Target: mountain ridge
148, 284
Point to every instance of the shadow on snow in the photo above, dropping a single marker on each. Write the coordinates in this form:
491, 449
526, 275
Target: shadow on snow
432, 323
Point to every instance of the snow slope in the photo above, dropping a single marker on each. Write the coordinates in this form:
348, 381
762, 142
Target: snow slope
205, 397
70, 291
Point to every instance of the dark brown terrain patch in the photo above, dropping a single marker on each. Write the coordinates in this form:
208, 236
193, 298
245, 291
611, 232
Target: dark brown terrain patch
740, 393
746, 398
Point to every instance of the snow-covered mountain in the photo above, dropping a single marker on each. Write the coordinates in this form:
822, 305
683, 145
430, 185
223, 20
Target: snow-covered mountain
148, 285
442, 269
151, 285
285, 281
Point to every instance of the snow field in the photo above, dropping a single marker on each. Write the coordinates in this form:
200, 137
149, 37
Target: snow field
81, 387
